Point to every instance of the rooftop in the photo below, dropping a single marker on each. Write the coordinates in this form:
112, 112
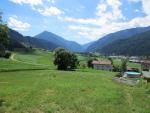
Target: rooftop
102, 62
146, 61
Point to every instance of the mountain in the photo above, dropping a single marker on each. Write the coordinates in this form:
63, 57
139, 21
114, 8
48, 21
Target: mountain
17, 40
97, 45
85, 46
137, 45
61, 42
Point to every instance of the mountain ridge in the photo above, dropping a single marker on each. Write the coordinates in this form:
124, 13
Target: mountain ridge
123, 34
49, 36
50, 41
137, 45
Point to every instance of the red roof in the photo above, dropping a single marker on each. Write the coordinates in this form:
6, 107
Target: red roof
146, 61
102, 62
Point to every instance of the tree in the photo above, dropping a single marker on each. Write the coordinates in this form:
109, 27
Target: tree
89, 62
124, 65
111, 60
65, 60
117, 68
3, 32
3, 36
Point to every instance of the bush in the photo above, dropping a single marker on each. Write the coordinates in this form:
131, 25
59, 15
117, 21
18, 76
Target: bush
2, 50
148, 90
119, 75
116, 68
83, 66
65, 60
7, 54
124, 65
89, 62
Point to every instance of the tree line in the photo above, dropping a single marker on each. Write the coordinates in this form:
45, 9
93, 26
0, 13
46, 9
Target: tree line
4, 38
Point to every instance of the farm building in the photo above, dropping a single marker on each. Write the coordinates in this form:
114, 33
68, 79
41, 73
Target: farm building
134, 59
103, 65
145, 65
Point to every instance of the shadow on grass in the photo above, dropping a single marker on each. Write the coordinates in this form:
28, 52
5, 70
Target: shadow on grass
15, 70
1, 102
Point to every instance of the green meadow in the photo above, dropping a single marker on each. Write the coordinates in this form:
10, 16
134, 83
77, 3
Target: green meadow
30, 83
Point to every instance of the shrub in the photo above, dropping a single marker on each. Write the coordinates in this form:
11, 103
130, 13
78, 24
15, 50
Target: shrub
7, 54
89, 62
2, 50
119, 75
65, 60
116, 68
148, 90
124, 65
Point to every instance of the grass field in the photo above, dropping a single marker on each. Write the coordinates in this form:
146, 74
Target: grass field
52, 91
129, 64
31, 61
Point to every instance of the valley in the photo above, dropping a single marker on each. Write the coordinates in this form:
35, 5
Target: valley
28, 87
75, 56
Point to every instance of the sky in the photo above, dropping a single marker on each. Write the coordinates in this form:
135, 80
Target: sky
82, 21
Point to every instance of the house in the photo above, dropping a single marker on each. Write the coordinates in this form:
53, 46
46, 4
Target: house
145, 65
134, 59
103, 65
117, 57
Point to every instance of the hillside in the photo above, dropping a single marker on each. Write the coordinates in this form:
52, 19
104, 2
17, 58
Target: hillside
85, 46
30, 83
17, 40
97, 45
61, 42
136, 45
45, 40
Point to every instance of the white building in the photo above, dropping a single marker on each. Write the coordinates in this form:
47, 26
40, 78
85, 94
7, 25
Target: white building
102, 65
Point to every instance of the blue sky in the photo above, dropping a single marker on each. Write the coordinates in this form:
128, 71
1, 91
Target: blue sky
78, 20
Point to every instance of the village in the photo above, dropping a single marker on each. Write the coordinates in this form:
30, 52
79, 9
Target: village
143, 71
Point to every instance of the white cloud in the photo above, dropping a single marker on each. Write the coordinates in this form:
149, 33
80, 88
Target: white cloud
16, 24
104, 16
146, 6
108, 17
50, 11
93, 33
30, 2
101, 8
82, 28
90, 21
52, 1
137, 10
41, 6
110, 25
134, 1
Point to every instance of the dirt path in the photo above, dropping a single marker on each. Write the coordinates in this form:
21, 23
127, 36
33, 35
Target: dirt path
13, 59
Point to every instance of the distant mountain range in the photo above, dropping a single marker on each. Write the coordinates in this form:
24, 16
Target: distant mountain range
97, 45
19, 41
45, 40
61, 42
114, 43
137, 45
